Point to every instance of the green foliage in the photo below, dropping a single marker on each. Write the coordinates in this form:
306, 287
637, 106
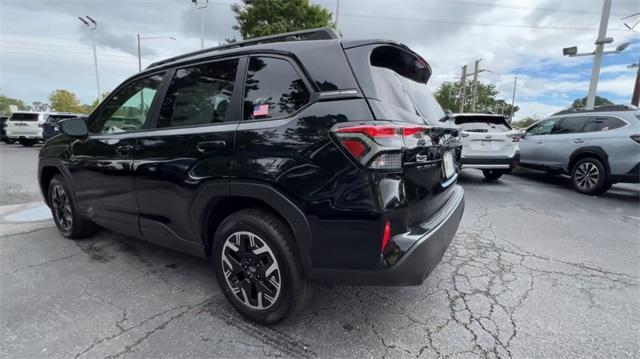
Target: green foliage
95, 103
526, 122
5, 102
65, 101
582, 102
449, 92
269, 17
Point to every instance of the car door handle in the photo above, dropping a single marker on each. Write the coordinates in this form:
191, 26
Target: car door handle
209, 146
539, 141
578, 140
125, 149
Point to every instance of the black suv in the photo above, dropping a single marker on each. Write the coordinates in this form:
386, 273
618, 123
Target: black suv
285, 160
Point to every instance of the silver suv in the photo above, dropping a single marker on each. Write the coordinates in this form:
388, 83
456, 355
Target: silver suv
597, 147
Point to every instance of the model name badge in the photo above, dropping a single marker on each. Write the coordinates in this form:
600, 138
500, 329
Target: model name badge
422, 158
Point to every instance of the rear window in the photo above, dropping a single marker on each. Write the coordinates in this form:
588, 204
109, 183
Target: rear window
24, 117
482, 124
604, 123
400, 79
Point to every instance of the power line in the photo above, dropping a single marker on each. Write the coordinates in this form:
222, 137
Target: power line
451, 22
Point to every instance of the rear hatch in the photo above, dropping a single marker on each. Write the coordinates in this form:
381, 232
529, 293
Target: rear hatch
410, 138
486, 135
23, 123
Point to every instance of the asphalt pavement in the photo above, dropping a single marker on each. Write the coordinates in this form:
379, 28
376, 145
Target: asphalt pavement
536, 270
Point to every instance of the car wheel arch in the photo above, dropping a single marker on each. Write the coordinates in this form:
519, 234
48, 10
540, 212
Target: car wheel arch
592, 151
48, 169
213, 210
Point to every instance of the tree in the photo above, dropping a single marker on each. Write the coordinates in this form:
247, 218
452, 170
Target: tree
526, 122
582, 102
269, 17
65, 101
95, 103
6, 102
449, 92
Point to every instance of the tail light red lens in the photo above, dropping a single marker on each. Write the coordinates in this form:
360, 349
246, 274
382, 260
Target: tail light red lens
386, 236
379, 146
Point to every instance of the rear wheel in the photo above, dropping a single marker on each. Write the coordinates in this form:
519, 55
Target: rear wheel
492, 175
27, 142
64, 211
257, 267
588, 176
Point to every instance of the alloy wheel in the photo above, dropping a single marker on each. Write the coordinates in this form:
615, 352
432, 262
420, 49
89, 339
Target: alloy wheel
251, 270
587, 176
61, 205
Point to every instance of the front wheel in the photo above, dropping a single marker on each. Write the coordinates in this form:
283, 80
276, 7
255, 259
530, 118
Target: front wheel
492, 175
257, 267
588, 176
65, 213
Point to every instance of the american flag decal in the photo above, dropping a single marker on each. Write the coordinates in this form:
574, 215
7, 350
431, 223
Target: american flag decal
260, 110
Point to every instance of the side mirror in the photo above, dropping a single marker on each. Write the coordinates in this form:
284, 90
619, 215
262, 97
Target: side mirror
74, 127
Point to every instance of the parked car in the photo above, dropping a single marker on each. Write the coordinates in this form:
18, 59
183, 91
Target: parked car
488, 143
50, 126
26, 127
3, 129
597, 148
283, 161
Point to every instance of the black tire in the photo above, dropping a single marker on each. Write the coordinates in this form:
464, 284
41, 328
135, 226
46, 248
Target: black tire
27, 143
492, 175
589, 176
256, 228
64, 211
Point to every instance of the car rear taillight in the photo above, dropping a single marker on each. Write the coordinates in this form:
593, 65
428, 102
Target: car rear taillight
635, 138
386, 235
380, 146
515, 137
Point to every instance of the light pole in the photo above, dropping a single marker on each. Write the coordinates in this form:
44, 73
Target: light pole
513, 96
201, 5
597, 54
140, 48
91, 24
337, 12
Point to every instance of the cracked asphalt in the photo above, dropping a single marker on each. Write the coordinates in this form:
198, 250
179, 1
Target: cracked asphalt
536, 270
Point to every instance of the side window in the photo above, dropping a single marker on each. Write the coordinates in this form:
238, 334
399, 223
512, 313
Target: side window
273, 89
128, 109
567, 125
604, 123
542, 128
199, 95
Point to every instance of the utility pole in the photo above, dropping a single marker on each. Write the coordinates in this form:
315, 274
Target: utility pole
463, 81
92, 25
597, 58
513, 96
139, 54
201, 5
475, 85
635, 99
337, 12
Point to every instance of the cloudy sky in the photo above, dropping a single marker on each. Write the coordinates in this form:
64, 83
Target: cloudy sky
43, 46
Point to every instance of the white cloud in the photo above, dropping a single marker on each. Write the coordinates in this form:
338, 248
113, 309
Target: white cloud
536, 110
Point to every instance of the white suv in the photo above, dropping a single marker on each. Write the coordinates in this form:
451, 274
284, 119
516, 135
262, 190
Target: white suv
26, 126
488, 143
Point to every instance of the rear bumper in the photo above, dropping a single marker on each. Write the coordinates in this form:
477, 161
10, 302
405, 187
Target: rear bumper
418, 259
490, 162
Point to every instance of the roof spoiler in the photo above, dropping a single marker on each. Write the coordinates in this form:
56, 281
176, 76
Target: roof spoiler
324, 33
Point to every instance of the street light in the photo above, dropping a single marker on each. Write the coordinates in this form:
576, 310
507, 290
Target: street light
140, 48
597, 53
201, 5
91, 24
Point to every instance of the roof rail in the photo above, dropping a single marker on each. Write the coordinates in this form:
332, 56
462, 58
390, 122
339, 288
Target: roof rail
596, 109
323, 33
